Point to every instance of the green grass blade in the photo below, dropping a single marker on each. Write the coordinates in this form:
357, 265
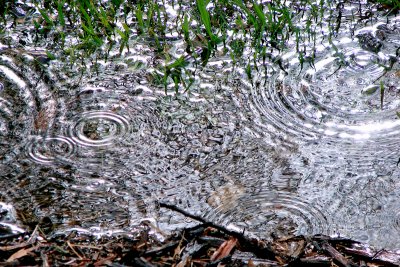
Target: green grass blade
86, 16
139, 17
61, 17
180, 62
205, 17
50, 55
185, 28
88, 29
260, 14
46, 17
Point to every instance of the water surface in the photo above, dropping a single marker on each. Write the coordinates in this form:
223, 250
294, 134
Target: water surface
297, 148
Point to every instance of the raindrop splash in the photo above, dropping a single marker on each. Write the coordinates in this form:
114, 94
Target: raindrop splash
50, 150
99, 128
272, 213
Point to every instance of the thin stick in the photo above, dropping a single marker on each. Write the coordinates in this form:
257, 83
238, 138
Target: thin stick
73, 250
200, 219
260, 249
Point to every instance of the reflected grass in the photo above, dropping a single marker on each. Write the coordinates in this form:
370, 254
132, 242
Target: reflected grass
82, 28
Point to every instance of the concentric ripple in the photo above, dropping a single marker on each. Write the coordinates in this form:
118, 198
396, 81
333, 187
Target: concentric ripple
348, 92
49, 149
14, 103
99, 128
308, 150
358, 61
271, 212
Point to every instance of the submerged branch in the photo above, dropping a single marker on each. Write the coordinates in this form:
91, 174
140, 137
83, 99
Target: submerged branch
259, 248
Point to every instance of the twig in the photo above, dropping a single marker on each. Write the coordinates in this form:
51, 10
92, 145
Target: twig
260, 249
86, 246
73, 250
12, 236
33, 236
31, 240
160, 250
45, 260
336, 255
200, 219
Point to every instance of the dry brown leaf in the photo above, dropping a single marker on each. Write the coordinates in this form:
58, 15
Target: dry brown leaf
184, 262
178, 250
224, 250
251, 263
7, 248
105, 261
21, 253
280, 260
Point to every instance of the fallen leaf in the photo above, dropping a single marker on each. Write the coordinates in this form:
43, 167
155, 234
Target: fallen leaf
251, 263
21, 253
184, 262
224, 250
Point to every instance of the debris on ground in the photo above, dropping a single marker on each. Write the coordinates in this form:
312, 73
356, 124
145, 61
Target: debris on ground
205, 245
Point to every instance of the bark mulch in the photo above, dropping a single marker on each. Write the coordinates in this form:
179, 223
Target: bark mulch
204, 245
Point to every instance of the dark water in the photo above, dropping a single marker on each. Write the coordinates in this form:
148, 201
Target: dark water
309, 149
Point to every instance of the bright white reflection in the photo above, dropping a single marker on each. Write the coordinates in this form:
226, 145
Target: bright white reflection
360, 132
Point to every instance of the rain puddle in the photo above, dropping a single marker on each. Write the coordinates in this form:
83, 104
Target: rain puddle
300, 147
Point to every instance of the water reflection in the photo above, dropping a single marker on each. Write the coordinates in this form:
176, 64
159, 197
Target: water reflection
305, 150
338, 119
328, 98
